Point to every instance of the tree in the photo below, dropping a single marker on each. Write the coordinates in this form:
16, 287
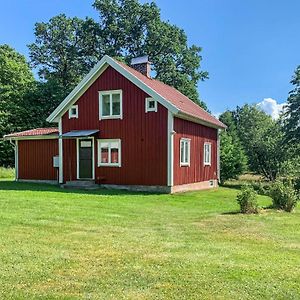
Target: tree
65, 49
261, 138
233, 160
292, 111
15, 80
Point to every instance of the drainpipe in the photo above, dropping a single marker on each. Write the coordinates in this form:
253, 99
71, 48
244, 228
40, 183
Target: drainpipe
15, 145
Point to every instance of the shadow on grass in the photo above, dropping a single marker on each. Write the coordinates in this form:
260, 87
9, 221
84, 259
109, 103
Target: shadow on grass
42, 187
236, 212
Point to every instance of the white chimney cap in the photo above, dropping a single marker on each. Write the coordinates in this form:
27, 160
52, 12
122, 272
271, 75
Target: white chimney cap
140, 60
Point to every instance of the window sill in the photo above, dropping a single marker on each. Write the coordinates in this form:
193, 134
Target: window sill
109, 165
184, 165
207, 165
110, 117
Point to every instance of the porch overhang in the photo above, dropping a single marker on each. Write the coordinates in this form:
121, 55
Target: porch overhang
79, 133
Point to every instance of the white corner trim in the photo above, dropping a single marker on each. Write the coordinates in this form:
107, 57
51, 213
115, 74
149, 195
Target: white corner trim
16, 160
60, 153
170, 138
218, 156
93, 75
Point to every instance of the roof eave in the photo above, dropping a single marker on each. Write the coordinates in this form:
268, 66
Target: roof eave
191, 118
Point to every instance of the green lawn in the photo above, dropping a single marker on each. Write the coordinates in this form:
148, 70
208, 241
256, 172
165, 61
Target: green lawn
58, 244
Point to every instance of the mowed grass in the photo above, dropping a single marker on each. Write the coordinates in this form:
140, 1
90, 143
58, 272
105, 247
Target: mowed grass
62, 244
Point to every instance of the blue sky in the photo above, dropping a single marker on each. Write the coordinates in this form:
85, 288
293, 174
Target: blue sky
250, 47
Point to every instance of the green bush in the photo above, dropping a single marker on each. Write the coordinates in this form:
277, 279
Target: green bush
261, 187
247, 199
284, 196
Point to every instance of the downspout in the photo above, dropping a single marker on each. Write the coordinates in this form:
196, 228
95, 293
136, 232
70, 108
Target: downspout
15, 145
60, 152
218, 156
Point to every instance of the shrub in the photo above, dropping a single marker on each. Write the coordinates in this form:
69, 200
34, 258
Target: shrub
262, 188
6, 173
284, 196
247, 199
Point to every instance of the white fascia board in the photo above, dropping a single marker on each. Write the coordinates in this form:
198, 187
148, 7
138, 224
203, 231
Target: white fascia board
148, 90
187, 117
31, 137
93, 75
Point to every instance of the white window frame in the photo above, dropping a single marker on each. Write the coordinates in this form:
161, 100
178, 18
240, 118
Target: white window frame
207, 163
147, 108
109, 164
71, 116
110, 93
188, 142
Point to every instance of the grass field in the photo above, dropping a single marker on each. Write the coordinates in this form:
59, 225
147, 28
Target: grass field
59, 244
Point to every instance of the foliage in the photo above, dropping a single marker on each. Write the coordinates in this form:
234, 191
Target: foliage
233, 160
15, 81
261, 138
284, 195
7, 173
65, 48
292, 111
247, 199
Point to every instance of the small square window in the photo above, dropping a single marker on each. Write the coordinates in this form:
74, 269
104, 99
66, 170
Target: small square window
73, 112
151, 105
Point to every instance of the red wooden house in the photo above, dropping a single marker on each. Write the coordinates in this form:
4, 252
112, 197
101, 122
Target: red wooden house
120, 128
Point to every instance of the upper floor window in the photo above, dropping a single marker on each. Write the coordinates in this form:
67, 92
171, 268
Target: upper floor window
109, 153
110, 104
185, 152
150, 105
207, 154
73, 111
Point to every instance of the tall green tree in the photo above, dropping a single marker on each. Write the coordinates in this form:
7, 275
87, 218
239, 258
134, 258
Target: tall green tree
15, 81
292, 111
65, 49
262, 140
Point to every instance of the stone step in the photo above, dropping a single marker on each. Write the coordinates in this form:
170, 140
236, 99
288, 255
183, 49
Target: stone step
81, 184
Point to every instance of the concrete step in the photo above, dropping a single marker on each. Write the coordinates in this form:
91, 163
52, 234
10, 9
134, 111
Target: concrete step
81, 184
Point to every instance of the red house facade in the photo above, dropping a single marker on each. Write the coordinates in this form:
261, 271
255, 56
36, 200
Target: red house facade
119, 128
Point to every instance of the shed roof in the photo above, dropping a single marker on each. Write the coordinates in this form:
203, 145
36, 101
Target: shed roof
33, 132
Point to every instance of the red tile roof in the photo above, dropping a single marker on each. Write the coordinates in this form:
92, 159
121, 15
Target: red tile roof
182, 102
34, 132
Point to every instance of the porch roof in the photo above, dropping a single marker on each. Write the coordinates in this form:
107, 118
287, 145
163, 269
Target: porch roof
79, 133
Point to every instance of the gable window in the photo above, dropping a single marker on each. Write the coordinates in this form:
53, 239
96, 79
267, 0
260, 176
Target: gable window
151, 105
207, 154
73, 112
110, 104
185, 152
109, 153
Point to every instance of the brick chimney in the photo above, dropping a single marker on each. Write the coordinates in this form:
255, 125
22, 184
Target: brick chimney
142, 65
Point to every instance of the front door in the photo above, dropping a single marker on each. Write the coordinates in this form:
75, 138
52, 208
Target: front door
85, 159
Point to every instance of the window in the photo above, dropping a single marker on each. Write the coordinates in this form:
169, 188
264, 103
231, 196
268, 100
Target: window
110, 104
207, 154
109, 153
185, 152
73, 112
151, 105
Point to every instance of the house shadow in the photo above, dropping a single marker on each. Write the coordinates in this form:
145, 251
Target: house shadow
9, 185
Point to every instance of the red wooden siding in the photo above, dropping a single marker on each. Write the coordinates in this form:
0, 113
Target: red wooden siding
143, 135
198, 134
35, 159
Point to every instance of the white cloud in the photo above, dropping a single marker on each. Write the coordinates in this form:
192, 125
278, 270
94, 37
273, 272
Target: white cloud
271, 107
